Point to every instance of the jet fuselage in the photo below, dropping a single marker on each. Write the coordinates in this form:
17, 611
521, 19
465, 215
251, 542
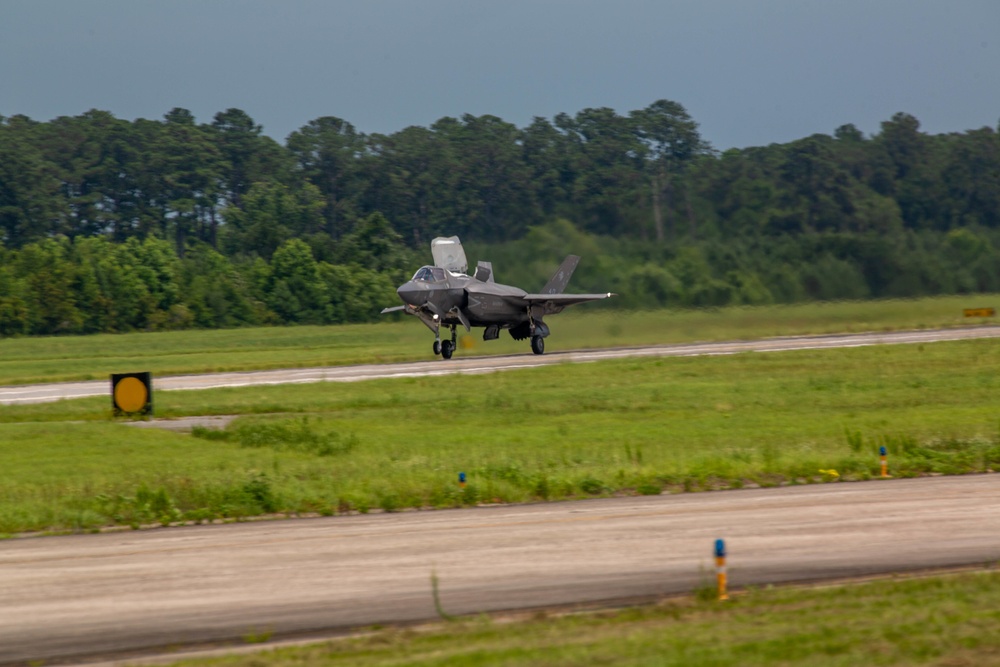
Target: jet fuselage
481, 303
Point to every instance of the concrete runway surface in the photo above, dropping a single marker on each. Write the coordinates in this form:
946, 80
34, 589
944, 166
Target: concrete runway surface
42, 393
89, 595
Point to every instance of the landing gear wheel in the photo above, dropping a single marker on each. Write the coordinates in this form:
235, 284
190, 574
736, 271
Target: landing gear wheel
437, 347
447, 349
538, 345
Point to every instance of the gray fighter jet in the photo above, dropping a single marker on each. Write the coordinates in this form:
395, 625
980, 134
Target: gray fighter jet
445, 295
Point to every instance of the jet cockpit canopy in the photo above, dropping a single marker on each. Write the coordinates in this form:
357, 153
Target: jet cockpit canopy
429, 274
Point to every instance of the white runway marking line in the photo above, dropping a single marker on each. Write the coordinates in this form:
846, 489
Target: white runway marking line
44, 393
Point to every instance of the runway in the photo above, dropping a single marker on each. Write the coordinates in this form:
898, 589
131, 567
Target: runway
89, 595
42, 393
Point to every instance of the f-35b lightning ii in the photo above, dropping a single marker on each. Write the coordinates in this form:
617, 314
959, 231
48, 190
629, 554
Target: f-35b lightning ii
445, 295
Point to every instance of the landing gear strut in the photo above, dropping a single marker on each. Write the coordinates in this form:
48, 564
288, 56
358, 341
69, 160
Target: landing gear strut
448, 346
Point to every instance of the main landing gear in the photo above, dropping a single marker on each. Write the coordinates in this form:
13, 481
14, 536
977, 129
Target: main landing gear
446, 348
533, 329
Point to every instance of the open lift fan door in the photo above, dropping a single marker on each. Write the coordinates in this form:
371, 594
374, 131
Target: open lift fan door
449, 254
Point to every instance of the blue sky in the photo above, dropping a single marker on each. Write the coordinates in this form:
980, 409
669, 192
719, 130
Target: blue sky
750, 72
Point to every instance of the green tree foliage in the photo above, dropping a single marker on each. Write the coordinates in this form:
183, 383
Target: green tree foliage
115, 225
296, 292
13, 306
373, 244
411, 183
271, 215
47, 278
29, 196
190, 168
214, 291
247, 156
327, 152
356, 294
672, 143
489, 175
607, 161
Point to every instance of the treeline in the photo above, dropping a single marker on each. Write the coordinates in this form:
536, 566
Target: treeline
91, 285
658, 214
228, 185
759, 270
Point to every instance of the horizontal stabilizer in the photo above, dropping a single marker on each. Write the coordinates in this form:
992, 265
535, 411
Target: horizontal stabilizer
393, 309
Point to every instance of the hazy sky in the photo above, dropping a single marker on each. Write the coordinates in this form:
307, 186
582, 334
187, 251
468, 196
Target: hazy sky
750, 72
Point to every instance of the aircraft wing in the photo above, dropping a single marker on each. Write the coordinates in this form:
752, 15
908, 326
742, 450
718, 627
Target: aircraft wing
553, 303
565, 299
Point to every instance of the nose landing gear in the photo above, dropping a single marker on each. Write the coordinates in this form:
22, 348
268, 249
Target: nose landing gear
446, 348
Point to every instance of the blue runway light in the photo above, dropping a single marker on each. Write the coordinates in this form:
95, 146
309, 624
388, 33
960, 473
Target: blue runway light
883, 462
720, 548
720, 568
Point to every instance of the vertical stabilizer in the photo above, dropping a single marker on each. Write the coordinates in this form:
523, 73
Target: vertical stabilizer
558, 282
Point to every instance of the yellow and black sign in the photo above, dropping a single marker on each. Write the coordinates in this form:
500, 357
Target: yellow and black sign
132, 394
980, 312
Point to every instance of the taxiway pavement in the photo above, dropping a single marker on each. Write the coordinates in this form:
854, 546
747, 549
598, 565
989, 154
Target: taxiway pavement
108, 593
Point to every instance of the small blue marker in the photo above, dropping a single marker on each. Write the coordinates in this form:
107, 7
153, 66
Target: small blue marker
461, 479
720, 568
720, 548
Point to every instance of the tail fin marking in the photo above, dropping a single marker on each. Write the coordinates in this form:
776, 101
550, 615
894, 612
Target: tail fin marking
560, 279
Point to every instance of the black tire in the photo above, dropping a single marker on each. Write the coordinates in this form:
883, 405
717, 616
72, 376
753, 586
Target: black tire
447, 349
437, 348
538, 345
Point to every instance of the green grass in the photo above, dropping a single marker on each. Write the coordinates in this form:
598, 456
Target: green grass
562, 431
30, 360
945, 620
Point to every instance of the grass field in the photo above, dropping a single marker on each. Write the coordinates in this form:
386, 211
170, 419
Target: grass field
639, 426
569, 430
946, 621
29, 360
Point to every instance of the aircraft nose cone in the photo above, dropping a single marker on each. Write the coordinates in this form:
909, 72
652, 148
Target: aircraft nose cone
410, 294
